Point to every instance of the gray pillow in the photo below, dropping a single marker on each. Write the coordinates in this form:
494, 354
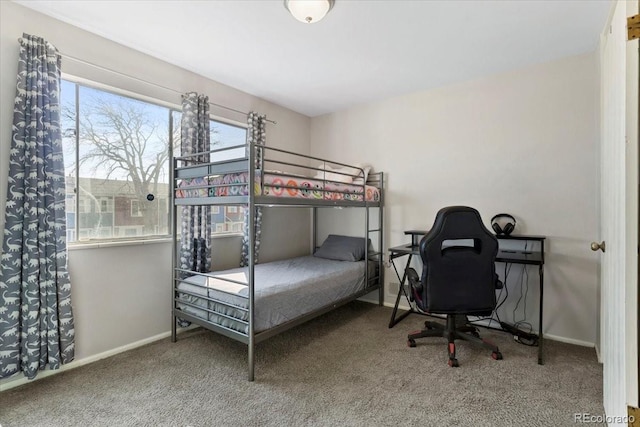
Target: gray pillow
342, 248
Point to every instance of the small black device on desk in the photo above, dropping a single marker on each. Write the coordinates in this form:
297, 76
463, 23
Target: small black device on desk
534, 256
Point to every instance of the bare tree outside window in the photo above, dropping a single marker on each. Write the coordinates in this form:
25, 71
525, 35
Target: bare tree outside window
122, 158
117, 165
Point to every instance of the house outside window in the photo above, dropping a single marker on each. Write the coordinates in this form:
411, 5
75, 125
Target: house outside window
116, 151
117, 148
224, 219
106, 205
135, 209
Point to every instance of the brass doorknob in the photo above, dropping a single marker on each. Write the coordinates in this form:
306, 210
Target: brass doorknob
595, 246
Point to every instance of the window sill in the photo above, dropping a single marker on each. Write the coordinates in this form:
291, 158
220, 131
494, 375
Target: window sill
226, 235
116, 243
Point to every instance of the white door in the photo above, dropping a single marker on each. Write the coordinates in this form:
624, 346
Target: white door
618, 217
631, 295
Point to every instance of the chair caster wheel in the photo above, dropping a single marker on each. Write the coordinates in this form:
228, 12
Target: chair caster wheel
475, 334
496, 355
411, 342
453, 363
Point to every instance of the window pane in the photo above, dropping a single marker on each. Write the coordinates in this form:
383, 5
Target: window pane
224, 135
123, 151
227, 219
224, 219
176, 118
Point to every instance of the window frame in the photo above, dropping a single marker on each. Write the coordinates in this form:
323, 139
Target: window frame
87, 242
173, 108
229, 233
221, 208
109, 204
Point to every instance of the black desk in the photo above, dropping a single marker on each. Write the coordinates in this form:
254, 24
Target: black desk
529, 257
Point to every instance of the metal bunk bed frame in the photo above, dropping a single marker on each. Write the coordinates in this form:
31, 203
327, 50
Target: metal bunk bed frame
251, 338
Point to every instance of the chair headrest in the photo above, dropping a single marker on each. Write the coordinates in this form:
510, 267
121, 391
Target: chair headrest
457, 222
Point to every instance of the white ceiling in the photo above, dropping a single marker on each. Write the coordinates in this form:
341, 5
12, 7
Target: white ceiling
361, 52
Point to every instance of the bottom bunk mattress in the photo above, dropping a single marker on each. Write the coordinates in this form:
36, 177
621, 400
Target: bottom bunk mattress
283, 290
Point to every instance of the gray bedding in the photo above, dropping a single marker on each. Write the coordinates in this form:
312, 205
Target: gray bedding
284, 290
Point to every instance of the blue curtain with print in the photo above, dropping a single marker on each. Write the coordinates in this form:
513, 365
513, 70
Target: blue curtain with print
36, 319
195, 237
257, 135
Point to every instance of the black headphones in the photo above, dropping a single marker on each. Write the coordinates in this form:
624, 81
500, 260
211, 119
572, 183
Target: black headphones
508, 227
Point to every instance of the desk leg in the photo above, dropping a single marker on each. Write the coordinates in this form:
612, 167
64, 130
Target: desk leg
393, 320
540, 337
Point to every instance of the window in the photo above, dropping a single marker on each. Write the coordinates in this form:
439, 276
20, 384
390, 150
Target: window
135, 209
84, 205
228, 219
116, 153
106, 205
224, 135
224, 219
70, 204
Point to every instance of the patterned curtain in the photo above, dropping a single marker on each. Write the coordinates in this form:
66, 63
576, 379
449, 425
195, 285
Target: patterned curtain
195, 243
36, 320
256, 134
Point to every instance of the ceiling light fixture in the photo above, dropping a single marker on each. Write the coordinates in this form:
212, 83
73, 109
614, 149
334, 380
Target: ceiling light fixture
309, 11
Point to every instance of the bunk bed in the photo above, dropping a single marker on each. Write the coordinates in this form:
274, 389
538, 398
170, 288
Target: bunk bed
252, 303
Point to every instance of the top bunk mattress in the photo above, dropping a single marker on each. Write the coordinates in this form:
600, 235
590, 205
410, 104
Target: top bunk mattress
276, 184
283, 290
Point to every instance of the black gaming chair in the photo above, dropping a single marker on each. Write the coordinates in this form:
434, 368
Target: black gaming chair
458, 278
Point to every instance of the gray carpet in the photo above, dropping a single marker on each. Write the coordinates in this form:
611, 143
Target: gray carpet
345, 368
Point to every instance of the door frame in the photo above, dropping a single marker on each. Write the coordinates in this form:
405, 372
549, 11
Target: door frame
633, 143
619, 223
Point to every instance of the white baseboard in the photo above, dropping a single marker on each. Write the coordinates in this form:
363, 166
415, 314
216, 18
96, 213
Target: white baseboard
598, 354
19, 379
400, 306
370, 301
546, 336
569, 340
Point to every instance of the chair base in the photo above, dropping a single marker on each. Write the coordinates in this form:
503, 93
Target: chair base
452, 332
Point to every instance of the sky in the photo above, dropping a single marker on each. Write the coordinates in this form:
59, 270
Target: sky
222, 135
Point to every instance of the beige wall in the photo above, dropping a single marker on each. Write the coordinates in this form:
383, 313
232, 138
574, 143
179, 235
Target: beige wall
524, 142
122, 294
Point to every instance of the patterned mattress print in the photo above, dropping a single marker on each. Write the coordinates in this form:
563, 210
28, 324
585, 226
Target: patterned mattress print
276, 185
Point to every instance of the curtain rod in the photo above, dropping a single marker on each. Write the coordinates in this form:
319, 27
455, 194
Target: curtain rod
151, 83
